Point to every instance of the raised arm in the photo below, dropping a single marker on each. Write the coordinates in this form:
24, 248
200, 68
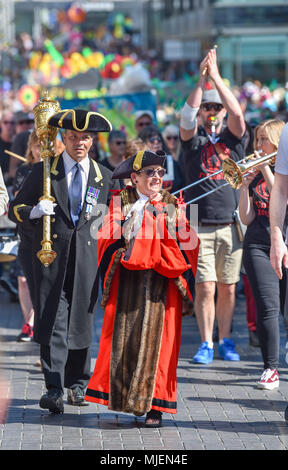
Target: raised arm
235, 120
188, 120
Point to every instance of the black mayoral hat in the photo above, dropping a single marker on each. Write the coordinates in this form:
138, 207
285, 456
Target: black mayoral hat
138, 161
80, 120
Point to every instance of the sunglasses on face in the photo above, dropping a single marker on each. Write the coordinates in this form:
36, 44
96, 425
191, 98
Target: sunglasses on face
25, 122
147, 123
150, 172
209, 106
155, 139
170, 137
9, 122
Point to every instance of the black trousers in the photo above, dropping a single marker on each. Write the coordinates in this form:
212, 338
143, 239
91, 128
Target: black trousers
269, 294
64, 367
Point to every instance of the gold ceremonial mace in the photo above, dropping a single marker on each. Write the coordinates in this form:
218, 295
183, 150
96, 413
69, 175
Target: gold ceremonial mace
46, 134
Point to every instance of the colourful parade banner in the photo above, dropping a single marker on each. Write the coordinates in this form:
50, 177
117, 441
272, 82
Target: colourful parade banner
119, 109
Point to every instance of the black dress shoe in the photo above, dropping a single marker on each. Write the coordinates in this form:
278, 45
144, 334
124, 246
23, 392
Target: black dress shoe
53, 401
75, 396
153, 419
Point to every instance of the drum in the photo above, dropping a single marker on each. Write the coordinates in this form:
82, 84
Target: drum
9, 243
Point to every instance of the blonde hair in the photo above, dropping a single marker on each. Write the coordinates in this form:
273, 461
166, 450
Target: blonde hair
59, 147
33, 139
133, 146
273, 129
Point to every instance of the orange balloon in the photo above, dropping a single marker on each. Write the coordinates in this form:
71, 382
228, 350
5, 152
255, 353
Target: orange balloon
76, 15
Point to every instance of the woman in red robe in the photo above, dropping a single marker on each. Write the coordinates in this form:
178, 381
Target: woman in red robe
147, 255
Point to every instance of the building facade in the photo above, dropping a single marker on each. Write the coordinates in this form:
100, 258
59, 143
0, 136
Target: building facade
252, 35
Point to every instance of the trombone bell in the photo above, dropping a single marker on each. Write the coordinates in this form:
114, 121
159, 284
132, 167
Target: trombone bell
233, 172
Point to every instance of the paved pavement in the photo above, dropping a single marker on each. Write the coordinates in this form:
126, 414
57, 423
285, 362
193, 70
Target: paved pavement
219, 406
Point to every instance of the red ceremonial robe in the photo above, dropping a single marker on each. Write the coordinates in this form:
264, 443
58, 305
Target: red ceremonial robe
144, 285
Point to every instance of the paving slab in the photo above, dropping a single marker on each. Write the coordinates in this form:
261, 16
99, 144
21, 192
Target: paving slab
219, 405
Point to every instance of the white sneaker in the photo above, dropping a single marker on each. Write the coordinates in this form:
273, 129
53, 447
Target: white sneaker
269, 380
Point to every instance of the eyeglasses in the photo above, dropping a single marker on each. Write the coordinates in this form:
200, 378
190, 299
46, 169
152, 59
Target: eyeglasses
150, 172
120, 142
155, 139
209, 106
144, 123
9, 122
170, 137
26, 121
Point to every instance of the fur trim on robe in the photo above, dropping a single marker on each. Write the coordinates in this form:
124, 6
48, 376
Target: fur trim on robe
137, 337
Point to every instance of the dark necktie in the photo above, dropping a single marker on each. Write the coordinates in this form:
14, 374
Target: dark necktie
76, 194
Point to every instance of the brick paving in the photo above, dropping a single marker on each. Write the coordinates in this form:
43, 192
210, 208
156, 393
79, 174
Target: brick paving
219, 406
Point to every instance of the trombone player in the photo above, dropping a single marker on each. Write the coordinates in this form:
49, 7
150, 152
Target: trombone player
207, 139
268, 291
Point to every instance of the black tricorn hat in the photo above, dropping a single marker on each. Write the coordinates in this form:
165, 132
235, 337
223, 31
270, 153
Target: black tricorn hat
80, 120
138, 161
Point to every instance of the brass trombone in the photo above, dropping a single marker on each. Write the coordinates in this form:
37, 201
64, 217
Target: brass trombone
230, 170
233, 172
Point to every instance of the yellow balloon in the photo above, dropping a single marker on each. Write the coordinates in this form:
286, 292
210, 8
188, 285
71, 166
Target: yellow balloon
45, 69
75, 56
115, 68
118, 32
98, 58
78, 63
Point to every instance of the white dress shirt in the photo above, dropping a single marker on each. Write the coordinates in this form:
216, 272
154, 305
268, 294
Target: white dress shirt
137, 210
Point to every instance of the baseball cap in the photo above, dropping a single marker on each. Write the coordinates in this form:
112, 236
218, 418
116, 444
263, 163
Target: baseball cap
143, 112
211, 96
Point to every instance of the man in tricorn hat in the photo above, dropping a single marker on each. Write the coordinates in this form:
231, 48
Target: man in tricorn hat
66, 291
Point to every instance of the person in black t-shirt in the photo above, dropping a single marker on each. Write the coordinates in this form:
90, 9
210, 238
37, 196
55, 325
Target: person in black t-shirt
268, 290
204, 148
117, 143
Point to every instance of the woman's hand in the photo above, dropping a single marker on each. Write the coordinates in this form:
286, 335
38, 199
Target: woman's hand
248, 178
